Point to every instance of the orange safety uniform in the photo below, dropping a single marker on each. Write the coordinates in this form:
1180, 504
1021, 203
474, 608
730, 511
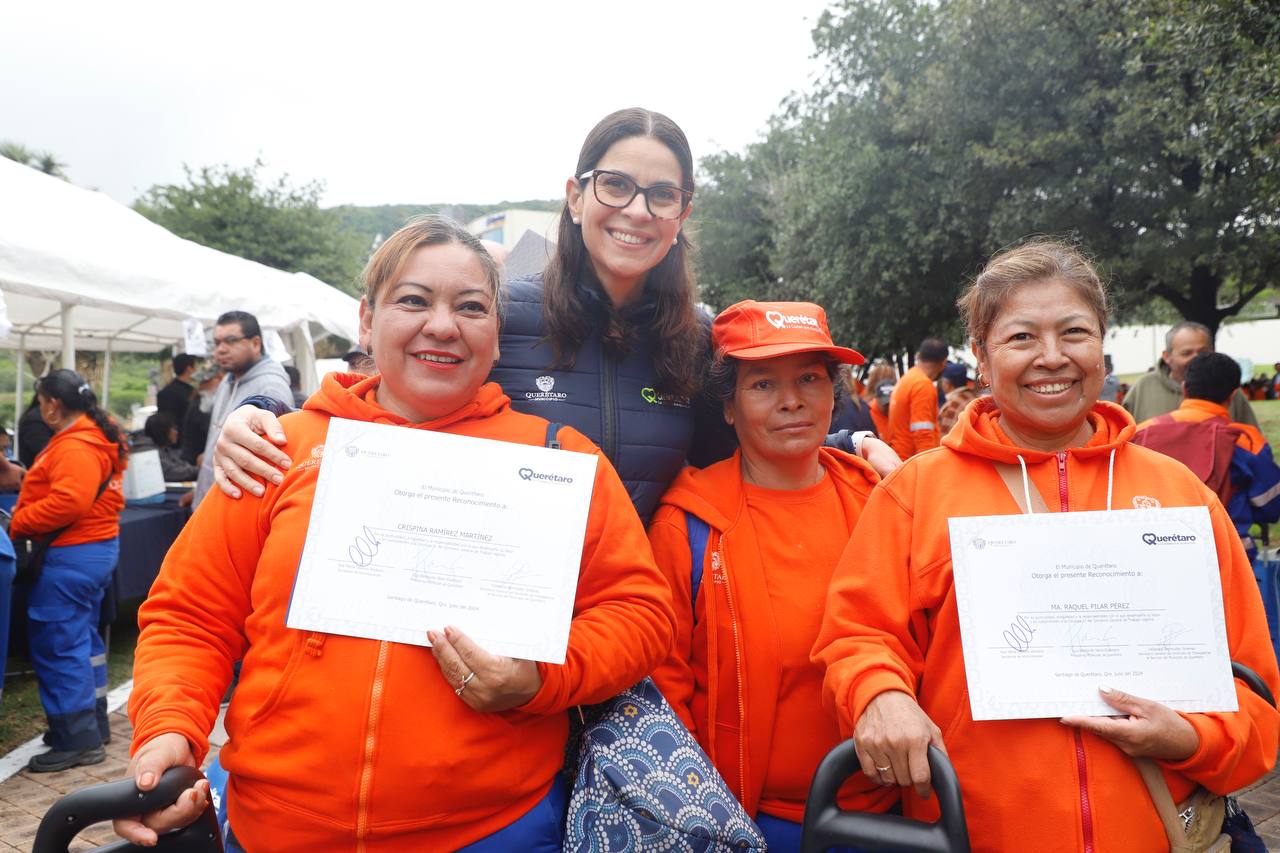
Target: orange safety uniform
741, 653
345, 743
913, 414
892, 624
62, 488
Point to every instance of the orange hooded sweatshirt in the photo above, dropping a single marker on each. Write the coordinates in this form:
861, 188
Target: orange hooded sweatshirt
725, 662
892, 624
344, 743
62, 488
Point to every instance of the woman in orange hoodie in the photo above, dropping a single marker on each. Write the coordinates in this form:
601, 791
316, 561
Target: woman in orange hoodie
345, 743
73, 494
749, 589
891, 640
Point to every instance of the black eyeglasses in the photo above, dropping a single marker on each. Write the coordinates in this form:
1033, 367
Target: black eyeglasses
229, 340
614, 189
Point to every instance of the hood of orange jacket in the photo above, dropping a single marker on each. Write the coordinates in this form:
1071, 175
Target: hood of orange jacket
978, 433
354, 396
743, 677
61, 489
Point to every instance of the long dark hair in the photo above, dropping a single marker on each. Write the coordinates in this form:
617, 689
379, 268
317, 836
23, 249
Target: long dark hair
680, 336
75, 395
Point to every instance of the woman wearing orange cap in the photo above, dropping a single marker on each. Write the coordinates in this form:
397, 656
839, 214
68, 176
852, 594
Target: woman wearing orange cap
764, 530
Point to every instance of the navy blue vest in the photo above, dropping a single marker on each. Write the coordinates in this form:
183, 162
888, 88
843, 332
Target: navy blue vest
613, 402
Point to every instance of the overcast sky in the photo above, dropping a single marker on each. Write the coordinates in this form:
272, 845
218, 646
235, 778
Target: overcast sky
385, 102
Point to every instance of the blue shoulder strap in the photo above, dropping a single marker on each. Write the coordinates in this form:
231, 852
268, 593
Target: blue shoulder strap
699, 531
553, 431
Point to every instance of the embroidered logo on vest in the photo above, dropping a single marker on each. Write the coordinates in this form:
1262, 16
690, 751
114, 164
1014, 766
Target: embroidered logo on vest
544, 392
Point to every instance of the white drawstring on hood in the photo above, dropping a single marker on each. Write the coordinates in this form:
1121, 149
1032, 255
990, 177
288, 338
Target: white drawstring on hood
1026, 481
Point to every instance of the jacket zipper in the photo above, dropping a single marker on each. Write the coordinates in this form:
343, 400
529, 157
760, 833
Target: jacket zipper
1086, 808
609, 419
370, 743
737, 665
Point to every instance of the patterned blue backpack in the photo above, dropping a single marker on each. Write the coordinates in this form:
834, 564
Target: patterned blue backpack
643, 783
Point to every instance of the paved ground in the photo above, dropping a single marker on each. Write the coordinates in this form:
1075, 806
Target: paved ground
25, 797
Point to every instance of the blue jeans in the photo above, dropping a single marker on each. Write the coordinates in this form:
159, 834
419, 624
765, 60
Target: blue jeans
539, 830
8, 568
67, 651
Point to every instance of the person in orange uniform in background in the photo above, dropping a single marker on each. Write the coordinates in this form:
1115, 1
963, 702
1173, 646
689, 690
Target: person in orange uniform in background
891, 636
73, 490
775, 518
342, 743
913, 408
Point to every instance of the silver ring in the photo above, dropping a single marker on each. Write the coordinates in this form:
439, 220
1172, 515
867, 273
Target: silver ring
884, 769
457, 691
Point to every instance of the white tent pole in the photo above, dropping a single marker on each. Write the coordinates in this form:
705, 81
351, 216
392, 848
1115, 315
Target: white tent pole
68, 338
17, 393
106, 376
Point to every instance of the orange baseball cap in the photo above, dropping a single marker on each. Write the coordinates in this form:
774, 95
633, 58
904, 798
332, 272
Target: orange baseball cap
752, 330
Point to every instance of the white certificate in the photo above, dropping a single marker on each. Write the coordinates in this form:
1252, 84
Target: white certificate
414, 530
1055, 605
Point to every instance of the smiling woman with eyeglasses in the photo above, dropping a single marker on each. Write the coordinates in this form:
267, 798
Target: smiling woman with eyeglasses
608, 338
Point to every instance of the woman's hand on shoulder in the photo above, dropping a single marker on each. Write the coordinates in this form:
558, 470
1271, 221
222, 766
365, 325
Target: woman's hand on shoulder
880, 456
892, 736
152, 759
1144, 729
484, 681
242, 453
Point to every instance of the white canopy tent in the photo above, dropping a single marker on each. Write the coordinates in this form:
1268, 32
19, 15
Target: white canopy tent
80, 271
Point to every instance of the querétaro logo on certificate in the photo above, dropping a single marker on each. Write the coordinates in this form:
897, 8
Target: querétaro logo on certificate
1168, 538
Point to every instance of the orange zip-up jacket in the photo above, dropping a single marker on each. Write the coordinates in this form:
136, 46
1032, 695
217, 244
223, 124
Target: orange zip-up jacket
62, 488
913, 414
724, 663
892, 624
344, 743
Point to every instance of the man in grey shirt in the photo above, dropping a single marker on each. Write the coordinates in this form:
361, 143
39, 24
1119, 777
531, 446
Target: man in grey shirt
1160, 391
238, 349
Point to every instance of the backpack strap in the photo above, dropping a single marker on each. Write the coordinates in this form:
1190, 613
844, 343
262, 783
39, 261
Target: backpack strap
699, 532
553, 430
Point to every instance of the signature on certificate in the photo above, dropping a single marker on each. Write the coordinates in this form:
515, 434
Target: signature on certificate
365, 546
1018, 635
1080, 636
433, 560
1171, 632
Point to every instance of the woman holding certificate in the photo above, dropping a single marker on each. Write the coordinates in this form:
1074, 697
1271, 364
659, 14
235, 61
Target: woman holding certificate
345, 743
891, 637
748, 546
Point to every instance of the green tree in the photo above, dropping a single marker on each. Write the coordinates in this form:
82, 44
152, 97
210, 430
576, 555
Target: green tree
277, 224
733, 223
43, 161
942, 131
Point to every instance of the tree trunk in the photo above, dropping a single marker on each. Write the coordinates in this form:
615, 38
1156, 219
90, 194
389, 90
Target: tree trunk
1202, 305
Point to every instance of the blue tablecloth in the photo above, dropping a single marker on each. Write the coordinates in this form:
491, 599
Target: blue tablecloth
146, 532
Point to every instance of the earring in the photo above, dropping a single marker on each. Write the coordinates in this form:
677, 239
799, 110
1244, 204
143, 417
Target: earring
675, 241
575, 221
